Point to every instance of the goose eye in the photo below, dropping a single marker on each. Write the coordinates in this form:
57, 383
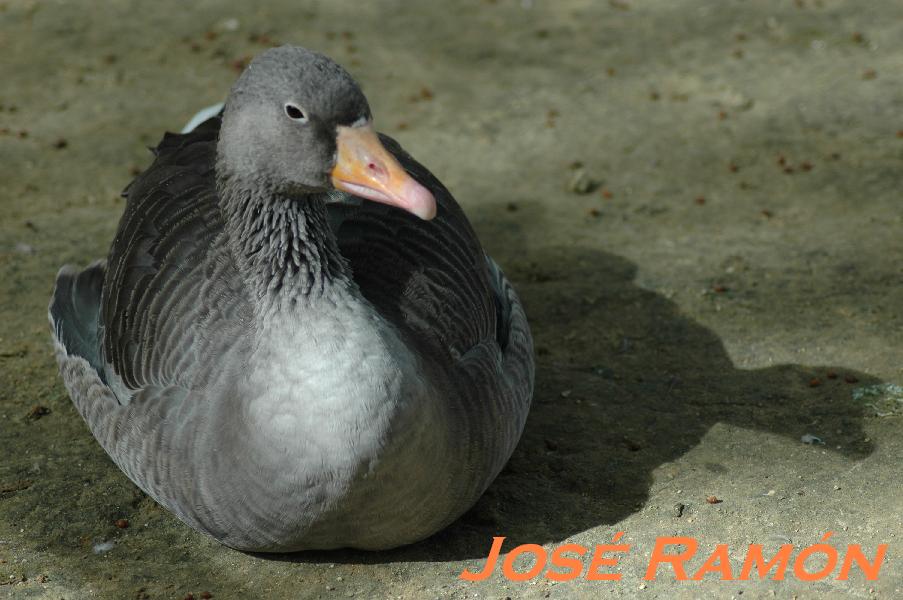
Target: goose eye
294, 113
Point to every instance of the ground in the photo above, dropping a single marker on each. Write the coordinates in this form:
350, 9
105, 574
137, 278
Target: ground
698, 201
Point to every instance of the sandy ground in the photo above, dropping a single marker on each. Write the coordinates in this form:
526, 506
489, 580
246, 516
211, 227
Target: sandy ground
740, 244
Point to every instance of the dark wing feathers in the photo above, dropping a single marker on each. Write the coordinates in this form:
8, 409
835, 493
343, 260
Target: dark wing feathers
156, 267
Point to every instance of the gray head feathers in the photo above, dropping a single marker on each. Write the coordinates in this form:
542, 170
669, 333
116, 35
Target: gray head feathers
280, 120
318, 83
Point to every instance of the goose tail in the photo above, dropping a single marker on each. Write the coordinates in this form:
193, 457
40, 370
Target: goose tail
513, 333
74, 312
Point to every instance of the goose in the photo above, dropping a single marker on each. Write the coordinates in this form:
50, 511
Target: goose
296, 340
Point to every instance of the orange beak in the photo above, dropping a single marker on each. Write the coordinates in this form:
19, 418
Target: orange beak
366, 169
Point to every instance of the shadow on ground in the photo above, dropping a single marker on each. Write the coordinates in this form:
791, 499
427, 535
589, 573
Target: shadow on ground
624, 384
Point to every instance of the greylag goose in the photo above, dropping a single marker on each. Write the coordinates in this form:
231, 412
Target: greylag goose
283, 366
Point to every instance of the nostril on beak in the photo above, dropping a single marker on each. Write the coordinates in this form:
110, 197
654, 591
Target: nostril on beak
377, 169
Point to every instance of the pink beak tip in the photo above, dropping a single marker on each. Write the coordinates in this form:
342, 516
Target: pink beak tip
419, 201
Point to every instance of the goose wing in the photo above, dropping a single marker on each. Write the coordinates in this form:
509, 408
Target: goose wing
167, 255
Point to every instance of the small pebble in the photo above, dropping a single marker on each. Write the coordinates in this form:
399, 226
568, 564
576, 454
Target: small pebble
121, 523
102, 547
229, 24
580, 183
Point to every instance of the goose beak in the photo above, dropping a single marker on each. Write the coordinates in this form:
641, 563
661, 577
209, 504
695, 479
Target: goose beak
366, 169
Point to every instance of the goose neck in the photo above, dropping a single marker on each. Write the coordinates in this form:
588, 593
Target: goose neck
283, 245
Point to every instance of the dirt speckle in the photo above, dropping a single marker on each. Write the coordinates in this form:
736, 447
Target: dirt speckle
37, 411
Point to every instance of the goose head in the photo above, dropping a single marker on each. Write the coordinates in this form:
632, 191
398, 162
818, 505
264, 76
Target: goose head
297, 124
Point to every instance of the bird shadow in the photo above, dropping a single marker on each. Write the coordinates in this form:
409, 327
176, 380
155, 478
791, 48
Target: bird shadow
624, 384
